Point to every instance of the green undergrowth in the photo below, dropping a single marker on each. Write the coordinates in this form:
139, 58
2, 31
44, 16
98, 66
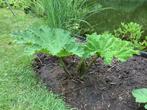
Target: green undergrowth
19, 87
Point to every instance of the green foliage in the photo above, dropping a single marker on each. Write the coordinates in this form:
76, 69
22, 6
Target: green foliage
131, 32
109, 47
143, 44
2, 3
68, 14
34, 6
37, 7
15, 3
58, 42
141, 96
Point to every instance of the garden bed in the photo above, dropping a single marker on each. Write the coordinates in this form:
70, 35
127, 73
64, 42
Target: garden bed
102, 88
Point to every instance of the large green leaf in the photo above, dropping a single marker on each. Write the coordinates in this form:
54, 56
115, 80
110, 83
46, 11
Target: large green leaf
140, 95
108, 47
56, 42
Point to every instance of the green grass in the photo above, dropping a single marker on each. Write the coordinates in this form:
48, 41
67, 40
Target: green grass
19, 88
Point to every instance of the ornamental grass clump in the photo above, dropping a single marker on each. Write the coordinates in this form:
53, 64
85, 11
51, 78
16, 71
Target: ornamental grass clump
69, 14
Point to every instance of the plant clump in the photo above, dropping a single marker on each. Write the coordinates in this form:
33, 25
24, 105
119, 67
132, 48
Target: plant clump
60, 43
69, 14
132, 32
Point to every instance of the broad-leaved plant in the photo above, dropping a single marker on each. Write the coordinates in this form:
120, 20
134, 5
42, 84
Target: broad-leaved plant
59, 43
140, 96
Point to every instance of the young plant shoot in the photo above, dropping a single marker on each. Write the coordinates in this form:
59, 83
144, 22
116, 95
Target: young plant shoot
140, 96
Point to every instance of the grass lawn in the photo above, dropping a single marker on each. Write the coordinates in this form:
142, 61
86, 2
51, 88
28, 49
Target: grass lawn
19, 88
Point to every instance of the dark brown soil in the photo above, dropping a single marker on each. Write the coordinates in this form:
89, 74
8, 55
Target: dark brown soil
102, 88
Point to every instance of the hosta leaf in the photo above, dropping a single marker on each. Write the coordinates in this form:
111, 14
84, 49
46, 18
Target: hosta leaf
108, 47
56, 42
140, 95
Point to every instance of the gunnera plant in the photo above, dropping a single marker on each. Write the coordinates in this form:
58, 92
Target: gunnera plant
58, 42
